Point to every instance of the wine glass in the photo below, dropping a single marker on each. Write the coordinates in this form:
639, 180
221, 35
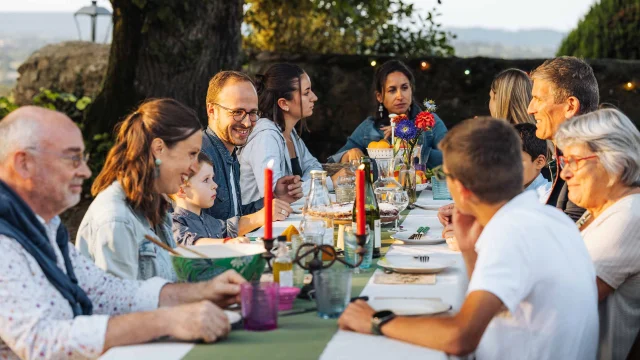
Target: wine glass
398, 198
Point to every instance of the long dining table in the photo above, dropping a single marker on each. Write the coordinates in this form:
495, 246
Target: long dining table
306, 336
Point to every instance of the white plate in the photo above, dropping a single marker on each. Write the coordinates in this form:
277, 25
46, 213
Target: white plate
233, 316
408, 265
427, 239
410, 306
422, 187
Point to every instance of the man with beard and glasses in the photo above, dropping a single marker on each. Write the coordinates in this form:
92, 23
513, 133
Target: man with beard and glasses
232, 111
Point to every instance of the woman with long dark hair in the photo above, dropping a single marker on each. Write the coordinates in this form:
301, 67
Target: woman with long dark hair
156, 149
394, 86
285, 100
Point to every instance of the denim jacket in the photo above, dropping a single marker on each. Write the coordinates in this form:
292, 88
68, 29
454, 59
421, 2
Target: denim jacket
266, 143
112, 234
366, 133
223, 162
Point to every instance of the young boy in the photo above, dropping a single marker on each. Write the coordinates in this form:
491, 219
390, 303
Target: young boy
534, 158
531, 293
191, 226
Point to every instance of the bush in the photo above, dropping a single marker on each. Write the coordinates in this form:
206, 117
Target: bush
74, 106
611, 29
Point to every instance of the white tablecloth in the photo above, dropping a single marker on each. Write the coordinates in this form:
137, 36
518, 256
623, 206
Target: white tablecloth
450, 286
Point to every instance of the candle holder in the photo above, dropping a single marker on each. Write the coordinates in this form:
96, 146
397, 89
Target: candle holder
316, 263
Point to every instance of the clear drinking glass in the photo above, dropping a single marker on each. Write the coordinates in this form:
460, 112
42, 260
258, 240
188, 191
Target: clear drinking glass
298, 273
313, 229
400, 199
333, 290
350, 246
345, 189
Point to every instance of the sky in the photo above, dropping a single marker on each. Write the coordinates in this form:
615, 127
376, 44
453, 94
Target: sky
561, 15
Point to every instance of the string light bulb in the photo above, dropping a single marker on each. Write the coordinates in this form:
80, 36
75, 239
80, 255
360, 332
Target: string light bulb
629, 85
467, 72
425, 65
373, 63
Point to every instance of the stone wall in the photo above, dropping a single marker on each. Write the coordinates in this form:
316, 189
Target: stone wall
73, 67
343, 84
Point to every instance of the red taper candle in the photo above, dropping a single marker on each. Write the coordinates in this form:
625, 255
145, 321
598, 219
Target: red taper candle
360, 200
268, 201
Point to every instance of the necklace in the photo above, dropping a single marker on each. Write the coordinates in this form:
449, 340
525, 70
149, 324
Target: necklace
583, 219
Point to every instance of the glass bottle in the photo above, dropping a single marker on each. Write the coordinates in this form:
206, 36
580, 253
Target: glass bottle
282, 265
371, 209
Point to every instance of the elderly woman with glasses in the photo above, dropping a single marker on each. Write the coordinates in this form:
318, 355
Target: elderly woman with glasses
601, 166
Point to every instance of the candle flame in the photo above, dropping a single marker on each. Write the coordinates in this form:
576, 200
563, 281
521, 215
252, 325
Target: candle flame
270, 164
361, 167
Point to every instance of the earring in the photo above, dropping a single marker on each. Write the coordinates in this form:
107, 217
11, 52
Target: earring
156, 171
380, 108
286, 109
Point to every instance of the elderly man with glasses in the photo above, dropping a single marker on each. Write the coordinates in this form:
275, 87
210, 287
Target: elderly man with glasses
55, 303
232, 111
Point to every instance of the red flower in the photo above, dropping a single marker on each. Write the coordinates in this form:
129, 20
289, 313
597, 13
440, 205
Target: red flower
399, 118
425, 120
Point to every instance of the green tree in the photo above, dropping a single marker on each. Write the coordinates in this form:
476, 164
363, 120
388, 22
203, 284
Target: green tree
391, 27
611, 29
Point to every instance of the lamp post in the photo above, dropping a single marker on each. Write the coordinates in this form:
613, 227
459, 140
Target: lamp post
93, 11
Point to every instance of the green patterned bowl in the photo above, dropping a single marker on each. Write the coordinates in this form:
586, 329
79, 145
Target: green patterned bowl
246, 259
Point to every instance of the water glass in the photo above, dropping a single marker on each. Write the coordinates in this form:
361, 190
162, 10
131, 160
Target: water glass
260, 302
400, 199
298, 272
313, 229
332, 290
350, 246
345, 187
440, 190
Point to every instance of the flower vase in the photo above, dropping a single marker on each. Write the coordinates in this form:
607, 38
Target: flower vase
407, 178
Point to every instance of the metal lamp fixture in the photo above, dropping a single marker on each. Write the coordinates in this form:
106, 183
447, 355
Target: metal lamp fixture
93, 11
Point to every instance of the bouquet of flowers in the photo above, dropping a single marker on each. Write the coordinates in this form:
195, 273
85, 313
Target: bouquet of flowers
407, 133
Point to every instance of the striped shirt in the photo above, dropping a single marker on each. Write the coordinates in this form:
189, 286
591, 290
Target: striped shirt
613, 241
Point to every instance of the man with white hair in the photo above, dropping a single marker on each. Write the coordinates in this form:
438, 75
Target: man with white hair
54, 303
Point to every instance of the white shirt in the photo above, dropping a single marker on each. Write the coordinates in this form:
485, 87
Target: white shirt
36, 321
531, 256
613, 241
234, 195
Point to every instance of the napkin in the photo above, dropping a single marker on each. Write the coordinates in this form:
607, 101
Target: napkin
404, 279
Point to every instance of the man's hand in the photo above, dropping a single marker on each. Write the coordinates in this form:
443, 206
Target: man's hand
448, 232
224, 289
444, 214
200, 320
357, 317
288, 188
467, 230
353, 154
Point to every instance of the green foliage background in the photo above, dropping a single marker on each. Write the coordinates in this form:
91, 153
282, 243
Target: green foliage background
611, 29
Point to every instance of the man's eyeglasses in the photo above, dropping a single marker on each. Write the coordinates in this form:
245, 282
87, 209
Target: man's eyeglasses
572, 162
240, 114
76, 159
440, 174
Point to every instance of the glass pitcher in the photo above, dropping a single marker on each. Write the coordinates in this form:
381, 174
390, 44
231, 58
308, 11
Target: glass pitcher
386, 179
319, 193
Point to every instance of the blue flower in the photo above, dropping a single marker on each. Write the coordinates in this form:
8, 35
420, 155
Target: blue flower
406, 130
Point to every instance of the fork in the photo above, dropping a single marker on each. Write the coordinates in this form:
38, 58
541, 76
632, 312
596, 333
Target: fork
422, 258
419, 233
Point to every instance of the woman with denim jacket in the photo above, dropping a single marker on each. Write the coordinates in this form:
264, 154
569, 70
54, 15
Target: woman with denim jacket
285, 100
156, 149
394, 85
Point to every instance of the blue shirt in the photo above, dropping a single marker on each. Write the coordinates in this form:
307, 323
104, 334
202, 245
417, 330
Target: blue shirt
366, 132
188, 227
541, 186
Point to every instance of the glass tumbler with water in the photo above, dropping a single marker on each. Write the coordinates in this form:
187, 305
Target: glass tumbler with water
333, 290
345, 189
350, 246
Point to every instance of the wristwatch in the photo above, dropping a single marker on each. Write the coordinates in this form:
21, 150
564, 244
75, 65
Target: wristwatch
380, 318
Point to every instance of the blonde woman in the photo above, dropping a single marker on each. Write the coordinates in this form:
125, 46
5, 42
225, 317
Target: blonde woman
510, 95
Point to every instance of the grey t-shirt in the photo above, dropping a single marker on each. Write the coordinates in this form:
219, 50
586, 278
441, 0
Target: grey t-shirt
188, 227
613, 241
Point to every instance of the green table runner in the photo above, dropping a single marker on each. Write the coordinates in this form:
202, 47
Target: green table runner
302, 336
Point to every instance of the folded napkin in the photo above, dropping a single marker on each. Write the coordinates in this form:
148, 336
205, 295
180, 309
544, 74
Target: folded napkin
404, 279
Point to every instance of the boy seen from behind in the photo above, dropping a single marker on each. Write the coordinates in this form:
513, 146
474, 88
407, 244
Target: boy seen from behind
192, 226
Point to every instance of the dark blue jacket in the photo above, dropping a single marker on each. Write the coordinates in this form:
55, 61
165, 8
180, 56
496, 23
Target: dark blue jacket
223, 162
